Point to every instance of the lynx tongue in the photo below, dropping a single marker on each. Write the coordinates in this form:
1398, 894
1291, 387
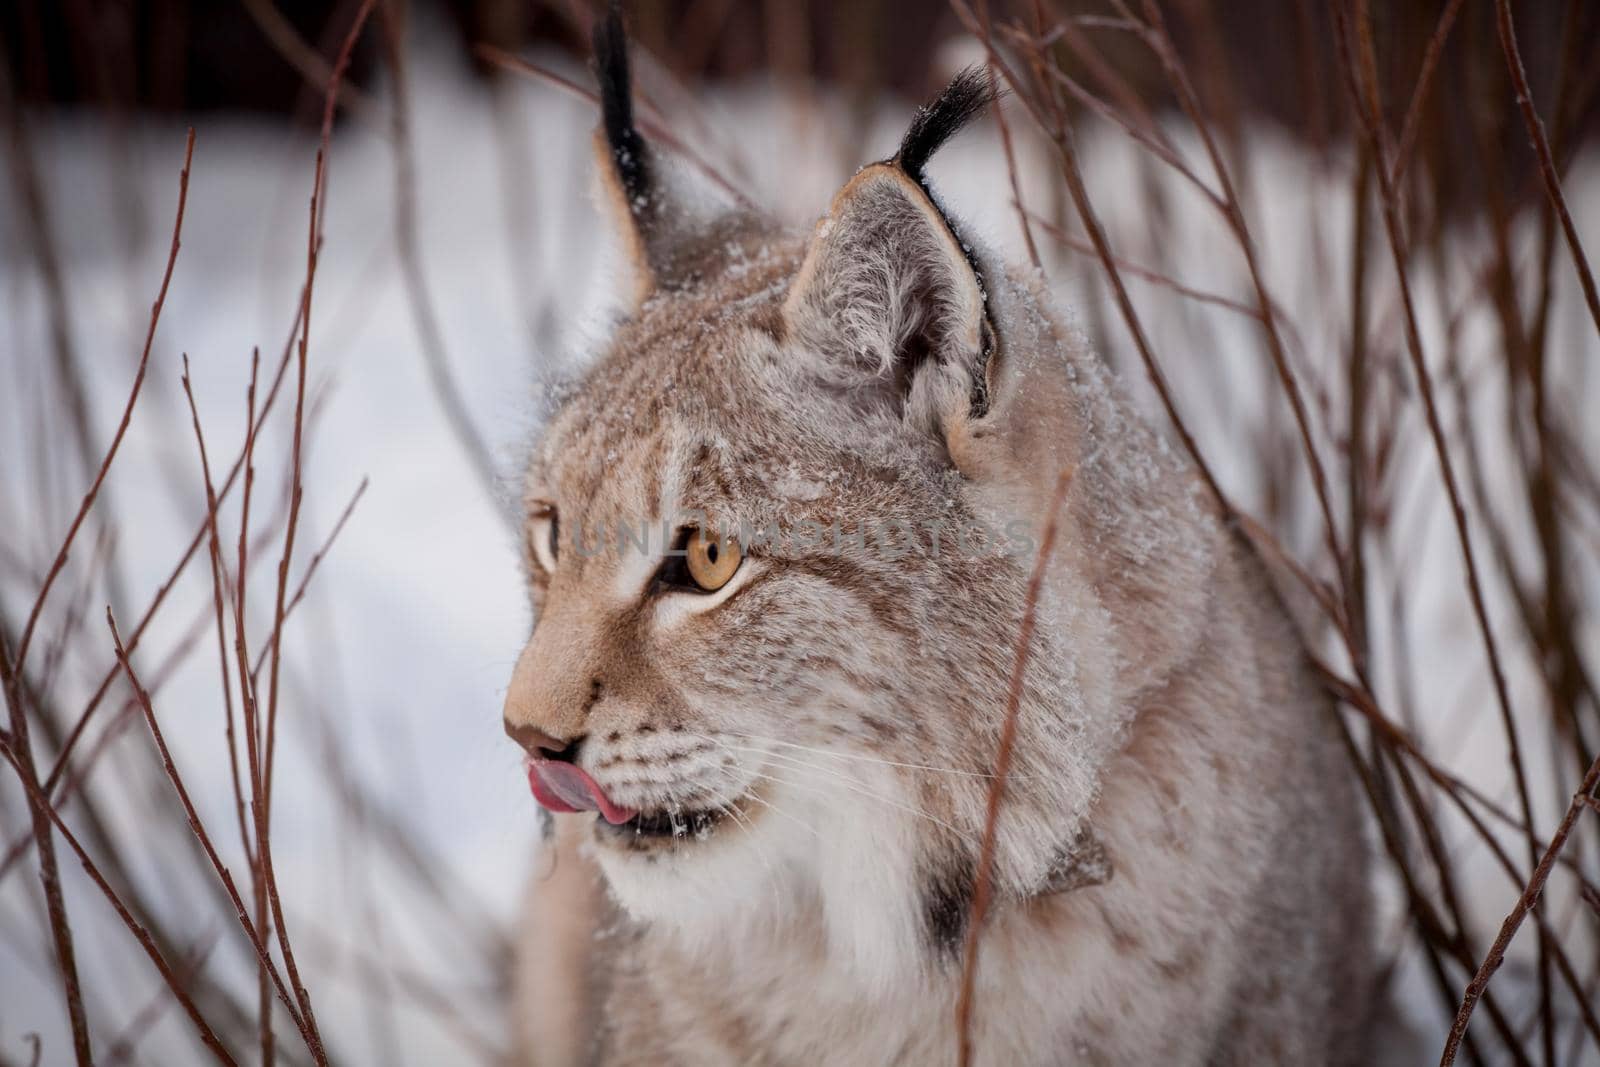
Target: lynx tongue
563, 787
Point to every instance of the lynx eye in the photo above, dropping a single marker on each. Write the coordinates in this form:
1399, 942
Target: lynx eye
544, 532
711, 559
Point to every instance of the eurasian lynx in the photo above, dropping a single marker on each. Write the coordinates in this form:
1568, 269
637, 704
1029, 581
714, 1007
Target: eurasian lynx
786, 720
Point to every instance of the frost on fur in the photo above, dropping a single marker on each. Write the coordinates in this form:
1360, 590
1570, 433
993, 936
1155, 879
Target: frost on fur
831, 714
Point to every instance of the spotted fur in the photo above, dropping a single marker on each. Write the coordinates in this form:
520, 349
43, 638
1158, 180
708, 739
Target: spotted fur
1179, 867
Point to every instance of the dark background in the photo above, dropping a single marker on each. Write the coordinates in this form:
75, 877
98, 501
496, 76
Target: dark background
254, 55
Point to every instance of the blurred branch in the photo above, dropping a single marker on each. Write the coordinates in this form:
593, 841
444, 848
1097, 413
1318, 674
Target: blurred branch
20, 747
304, 1023
35, 216
1388, 201
18, 751
649, 125
299, 54
1547, 163
435, 356
42, 803
1056, 128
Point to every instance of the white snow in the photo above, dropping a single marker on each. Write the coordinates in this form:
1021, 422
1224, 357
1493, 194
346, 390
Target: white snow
406, 640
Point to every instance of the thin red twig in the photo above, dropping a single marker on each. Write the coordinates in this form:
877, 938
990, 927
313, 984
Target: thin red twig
15, 667
197, 827
1388, 201
170, 581
1154, 277
655, 129
1008, 147
218, 579
1547, 163
430, 335
1056, 128
1002, 768
127, 414
1160, 41
1525, 903
1419, 95
315, 561
262, 787
138, 929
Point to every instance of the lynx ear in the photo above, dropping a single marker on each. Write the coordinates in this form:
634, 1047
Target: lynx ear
888, 291
672, 219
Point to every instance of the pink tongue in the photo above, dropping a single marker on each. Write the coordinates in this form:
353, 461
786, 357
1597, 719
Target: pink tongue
563, 787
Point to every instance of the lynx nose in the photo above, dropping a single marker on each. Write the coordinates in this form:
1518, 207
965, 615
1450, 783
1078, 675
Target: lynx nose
541, 745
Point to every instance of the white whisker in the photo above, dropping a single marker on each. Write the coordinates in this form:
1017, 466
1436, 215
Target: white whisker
863, 792
776, 810
883, 762
761, 853
846, 782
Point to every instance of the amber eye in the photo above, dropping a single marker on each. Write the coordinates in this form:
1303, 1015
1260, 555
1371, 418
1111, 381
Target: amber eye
711, 559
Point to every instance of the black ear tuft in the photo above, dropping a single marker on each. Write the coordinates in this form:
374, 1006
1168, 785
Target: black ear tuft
616, 101
967, 96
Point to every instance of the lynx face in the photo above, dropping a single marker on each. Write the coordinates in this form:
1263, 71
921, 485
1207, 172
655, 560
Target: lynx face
778, 537
746, 721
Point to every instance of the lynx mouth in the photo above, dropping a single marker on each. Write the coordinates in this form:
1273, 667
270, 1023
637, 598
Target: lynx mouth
666, 824
565, 787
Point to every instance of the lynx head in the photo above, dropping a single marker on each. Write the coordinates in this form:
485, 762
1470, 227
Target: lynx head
779, 535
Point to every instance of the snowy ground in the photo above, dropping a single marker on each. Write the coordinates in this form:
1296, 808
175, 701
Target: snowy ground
407, 639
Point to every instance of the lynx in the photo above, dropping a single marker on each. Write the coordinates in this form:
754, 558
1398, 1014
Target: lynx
768, 754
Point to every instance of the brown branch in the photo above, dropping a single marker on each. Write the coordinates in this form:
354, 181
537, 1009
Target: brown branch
41, 802
19, 750
75, 776
262, 768
311, 567
1154, 277
1525, 903
1389, 201
248, 706
1056, 128
127, 415
218, 576
435, 354
1541, 147
1002, 768
299, 54
110, 675
198, 829
15, 668
1419, 95
1160, 41
656, 129
1149, 139
1009, 149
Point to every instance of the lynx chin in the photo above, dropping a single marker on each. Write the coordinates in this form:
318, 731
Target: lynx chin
769, 764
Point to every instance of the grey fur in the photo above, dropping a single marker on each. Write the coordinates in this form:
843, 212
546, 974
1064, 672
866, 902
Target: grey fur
1173, 745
